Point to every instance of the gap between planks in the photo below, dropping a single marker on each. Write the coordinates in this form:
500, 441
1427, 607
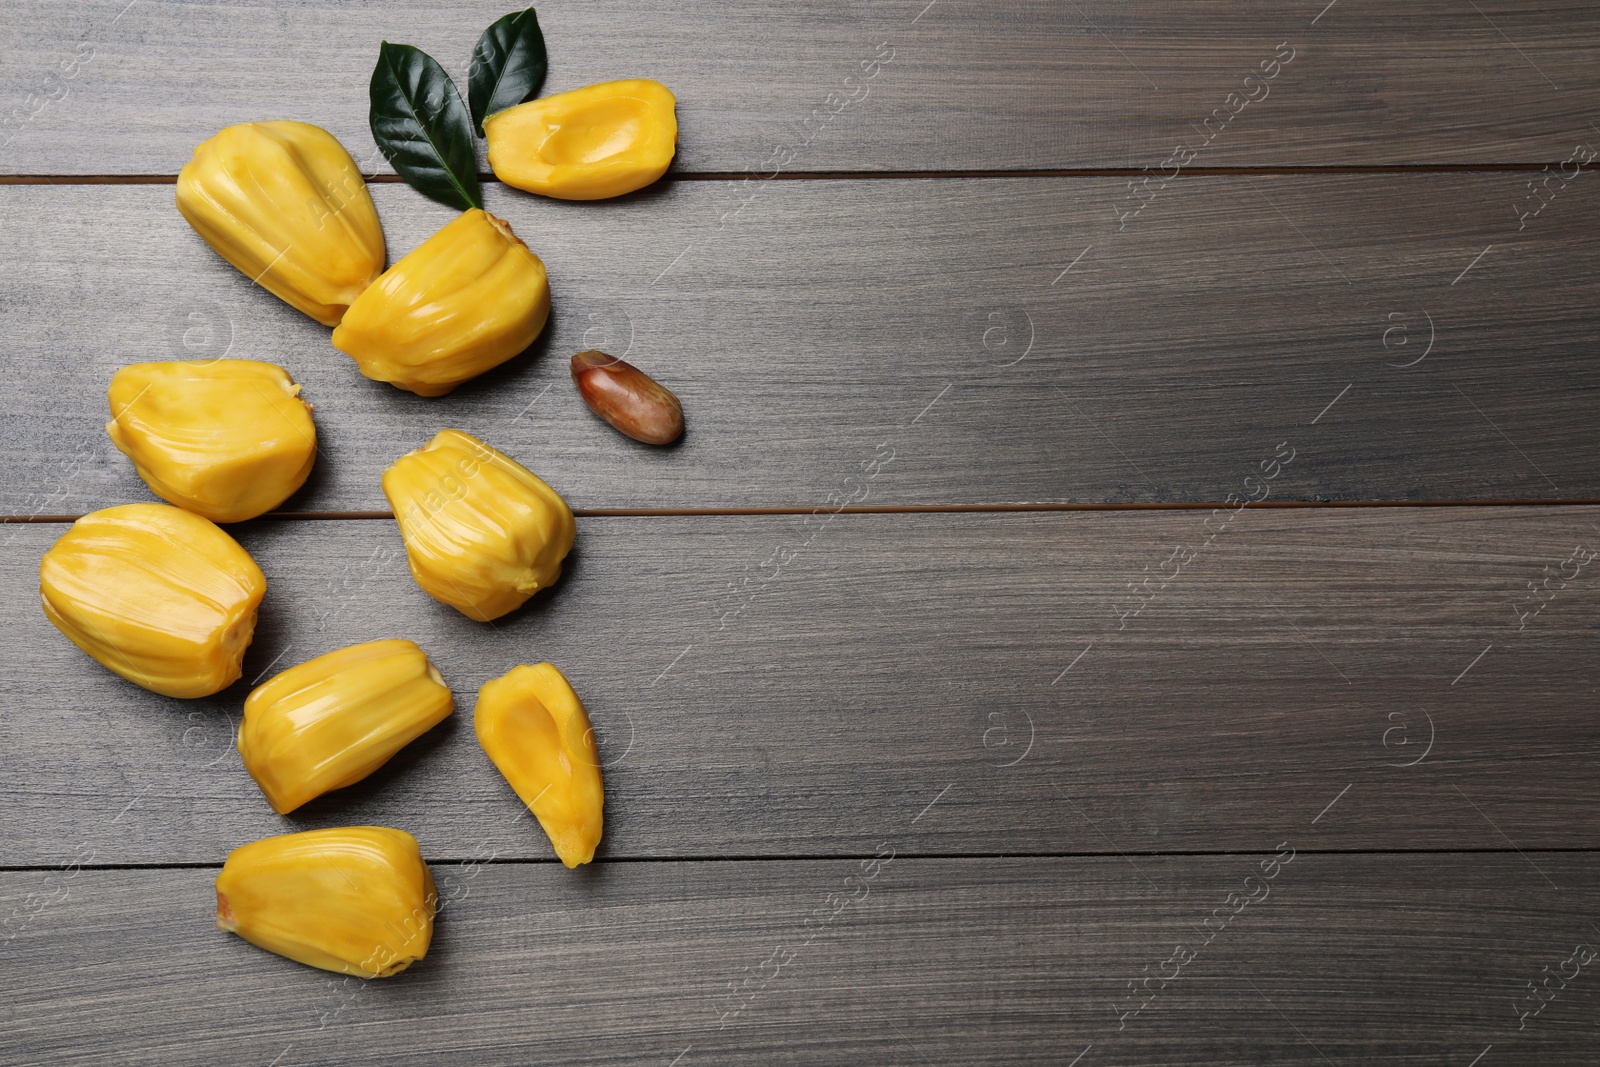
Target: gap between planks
924, 509
844, 857
890, 175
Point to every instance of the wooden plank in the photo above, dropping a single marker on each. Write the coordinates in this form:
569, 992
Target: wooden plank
1343, 958
1363, 666
997, 84
1001, 337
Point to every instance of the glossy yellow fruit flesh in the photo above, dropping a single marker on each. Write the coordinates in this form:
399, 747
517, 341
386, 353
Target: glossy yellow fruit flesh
357, 900
333, 720
588, 144
225, 438
534, 728
156, 594
469, 298
482, 532
284, 202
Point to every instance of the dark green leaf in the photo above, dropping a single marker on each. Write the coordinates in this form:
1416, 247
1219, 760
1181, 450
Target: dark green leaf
508, 65
423, 128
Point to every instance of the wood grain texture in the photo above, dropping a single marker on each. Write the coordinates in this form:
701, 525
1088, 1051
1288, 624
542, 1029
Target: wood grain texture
968, 84
1054, 722
749, 707
1346, 959
1003, 338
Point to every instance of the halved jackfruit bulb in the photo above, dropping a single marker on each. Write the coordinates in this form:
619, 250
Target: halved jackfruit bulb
467, 299
600, 141
357, 900
483, 533
226, 438
333, 720
284, 202
158, 595
535, 730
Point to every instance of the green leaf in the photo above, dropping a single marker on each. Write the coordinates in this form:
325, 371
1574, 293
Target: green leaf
423, 128
508, 65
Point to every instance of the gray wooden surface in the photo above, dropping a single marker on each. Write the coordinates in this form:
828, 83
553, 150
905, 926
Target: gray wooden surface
969, 84
1412, 959
1075, 743
834, 320
782, 710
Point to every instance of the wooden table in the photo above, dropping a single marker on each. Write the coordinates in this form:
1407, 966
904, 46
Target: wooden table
1125, 596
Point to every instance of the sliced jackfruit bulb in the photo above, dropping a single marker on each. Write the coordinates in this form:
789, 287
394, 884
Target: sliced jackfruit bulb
357, 900
534, 729
333, 720
467, 299
284, 202
158, 595
226, 438
588, 144
482, 532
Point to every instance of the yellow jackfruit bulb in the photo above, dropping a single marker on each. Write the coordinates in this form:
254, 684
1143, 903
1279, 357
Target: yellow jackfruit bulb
357, 900
158, 595
534, 729
333, 720
588, 144
482, 532
284, 202
225, 438
467, 299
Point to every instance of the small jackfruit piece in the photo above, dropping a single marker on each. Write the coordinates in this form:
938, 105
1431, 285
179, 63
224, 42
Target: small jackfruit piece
534, 729
158, 595
588, 144
358, 900
333, 720
285, 203
226, 438
467, 299
482, 532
